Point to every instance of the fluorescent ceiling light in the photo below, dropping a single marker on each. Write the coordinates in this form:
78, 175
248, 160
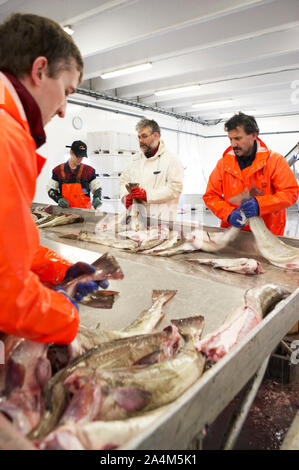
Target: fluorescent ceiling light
208, 104
127, 70
68, 29
182, 89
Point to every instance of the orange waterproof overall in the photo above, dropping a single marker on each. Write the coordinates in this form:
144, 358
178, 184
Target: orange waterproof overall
269, 176
28, 308
73, 192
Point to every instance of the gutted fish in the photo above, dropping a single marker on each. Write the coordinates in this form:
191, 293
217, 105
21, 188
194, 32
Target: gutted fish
99, 435
106, 268
272, 248
257, 303
63, 219
148, 319
26, 371
212, 241
237, 265
123, 352
100, 299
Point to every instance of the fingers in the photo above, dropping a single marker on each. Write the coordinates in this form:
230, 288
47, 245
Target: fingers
85, 288
103, 284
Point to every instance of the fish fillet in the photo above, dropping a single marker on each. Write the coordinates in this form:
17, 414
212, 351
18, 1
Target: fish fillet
237, 265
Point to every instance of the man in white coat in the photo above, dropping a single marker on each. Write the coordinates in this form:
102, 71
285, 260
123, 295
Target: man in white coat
158, 172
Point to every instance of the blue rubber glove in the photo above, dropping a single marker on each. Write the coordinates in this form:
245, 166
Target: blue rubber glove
62, 291
250, 208
235, 218
84, 288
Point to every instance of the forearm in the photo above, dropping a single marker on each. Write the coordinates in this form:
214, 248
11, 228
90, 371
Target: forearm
49, 266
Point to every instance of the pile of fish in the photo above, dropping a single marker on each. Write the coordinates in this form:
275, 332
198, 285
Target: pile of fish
110, 386
44, 217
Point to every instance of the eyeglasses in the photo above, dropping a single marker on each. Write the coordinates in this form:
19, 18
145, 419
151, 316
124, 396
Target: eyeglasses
144, 136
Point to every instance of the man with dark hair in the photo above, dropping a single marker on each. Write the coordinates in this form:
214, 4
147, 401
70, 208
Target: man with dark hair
248, 163
72, 182
158, 172
40, 66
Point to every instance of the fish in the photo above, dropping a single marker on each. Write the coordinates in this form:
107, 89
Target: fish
63, 219
123, 352
148, 319
164, 245
237, 265
136, 211
99, 435
212, 241
272, 248
126, 392
257, 304
102, 240
25, 373
106, 266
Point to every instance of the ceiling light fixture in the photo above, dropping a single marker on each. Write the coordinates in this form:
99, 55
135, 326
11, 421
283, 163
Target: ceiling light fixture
207, 104
182, 89
127, 70
68, 29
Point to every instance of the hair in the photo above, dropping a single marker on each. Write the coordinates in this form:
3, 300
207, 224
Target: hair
247, 122
24, 37
153, 125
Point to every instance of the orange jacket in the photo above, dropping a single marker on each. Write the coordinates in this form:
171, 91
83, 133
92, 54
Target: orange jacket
27, 308
269, 178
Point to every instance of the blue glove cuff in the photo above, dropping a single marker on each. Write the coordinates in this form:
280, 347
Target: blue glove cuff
62, 291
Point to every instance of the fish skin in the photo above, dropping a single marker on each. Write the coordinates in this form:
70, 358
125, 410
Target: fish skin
190, 328
272, 248
106, 268
148, 319
257, 302
237, 265
165, 245
123, 352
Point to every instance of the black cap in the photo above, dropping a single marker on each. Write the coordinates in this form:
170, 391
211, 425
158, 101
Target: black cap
78, 148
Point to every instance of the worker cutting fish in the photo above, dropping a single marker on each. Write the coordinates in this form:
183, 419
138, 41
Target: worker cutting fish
33, 89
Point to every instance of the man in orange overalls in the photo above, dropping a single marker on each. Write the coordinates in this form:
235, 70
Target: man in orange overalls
72, 182
33, 89
249, 164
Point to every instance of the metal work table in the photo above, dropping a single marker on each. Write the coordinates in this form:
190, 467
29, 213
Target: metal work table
201, 290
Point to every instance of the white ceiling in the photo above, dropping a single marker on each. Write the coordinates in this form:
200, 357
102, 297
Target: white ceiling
242, 50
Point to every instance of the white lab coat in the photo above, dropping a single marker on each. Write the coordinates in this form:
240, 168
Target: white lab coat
162, 178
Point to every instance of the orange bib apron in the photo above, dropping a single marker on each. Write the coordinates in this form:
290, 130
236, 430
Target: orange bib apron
73, 192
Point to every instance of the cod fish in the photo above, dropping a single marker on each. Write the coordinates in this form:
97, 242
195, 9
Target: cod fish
148, 319
212, 241
237, 265
99, 435
272, 248
23, 376
120, 393
257, 303
63, 219
106, 268
87, 338
165, 245
102, 240
123, 352
100, 299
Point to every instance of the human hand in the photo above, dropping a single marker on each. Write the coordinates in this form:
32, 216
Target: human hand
84, 288
250, 208
128, 201
96, 202
63, 202
138, 193
235, 218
